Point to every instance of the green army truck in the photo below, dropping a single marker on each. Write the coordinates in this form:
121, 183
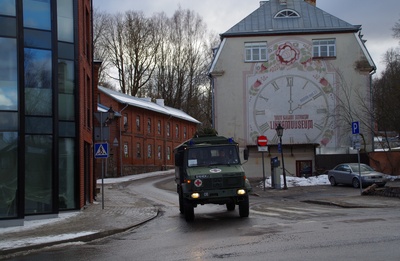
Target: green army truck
208, 171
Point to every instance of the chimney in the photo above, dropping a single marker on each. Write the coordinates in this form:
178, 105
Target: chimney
312, 2
160, 102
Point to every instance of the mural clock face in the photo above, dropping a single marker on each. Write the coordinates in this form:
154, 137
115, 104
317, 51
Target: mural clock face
298, 103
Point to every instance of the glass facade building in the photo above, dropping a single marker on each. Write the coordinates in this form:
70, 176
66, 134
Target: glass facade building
40, 136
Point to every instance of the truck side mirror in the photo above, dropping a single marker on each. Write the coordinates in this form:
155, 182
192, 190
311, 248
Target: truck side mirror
246, 154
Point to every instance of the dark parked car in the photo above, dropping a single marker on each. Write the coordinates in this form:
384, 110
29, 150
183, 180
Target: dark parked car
348, 174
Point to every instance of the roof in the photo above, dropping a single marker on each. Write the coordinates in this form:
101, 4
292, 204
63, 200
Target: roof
145, 103
311, 19
205, 141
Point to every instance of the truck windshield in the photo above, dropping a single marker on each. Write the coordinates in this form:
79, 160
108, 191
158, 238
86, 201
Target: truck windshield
216, 155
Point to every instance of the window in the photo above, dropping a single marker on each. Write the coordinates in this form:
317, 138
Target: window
184, 132
125, 121
38, 78
8, 74
65, 18
256, 51
168, 129
9, 164
138, 123
138, 151
38, 173
287, 13
149, 125
126, 149
168, 153
177, 131
159, 152
159, 127
324, 48
37, 14
149, 151
8, 8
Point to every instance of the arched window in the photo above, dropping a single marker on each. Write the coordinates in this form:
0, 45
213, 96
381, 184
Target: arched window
287, 13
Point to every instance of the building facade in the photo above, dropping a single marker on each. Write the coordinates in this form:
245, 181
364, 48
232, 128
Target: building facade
143, 134
293, 64
46, 107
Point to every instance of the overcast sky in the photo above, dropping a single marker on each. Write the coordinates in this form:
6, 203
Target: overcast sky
377, 17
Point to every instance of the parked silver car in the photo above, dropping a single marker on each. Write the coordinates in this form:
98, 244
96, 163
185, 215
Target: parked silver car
348, 174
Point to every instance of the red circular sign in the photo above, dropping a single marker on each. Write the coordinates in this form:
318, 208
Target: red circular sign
262, 140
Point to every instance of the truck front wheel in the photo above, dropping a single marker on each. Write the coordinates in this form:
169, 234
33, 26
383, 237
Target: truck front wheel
188, 210
244, 207
230, 206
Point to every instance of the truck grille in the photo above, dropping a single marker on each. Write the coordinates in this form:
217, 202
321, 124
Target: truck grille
224, 182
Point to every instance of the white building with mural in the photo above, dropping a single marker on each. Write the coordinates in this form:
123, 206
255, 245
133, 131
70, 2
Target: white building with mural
293, 64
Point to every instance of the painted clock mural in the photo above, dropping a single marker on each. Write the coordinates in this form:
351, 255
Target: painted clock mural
295, 91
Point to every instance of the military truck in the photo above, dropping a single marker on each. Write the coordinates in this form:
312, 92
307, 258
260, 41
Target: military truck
208, 171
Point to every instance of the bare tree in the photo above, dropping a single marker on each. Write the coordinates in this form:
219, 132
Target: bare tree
387, 94
160, 57
101, 21
130, 41
183, 60
396, 30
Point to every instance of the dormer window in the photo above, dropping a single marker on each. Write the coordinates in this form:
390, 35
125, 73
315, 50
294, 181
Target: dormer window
287, 13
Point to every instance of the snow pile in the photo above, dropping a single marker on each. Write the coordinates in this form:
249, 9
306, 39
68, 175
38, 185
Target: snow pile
300, 181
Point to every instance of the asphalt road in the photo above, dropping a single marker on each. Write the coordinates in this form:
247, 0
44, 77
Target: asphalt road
281, 226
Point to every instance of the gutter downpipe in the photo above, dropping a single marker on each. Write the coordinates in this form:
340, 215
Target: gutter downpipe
373, 71
120, 141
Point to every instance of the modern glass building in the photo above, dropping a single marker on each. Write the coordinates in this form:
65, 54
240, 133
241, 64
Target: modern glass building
46, 107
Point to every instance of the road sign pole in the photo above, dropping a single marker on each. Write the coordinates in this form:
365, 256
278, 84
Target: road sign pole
102, 162
262, 155
355, 129
262, 142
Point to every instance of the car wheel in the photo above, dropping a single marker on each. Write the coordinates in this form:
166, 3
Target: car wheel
230, 206
356, 183
332, 181
244, 207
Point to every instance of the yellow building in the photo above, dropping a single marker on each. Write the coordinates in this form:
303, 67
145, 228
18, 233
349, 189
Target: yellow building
293, 64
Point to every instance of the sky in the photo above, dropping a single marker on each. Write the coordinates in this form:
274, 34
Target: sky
377, 17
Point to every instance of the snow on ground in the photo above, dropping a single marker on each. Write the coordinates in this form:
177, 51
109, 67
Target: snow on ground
34, 224
300, 182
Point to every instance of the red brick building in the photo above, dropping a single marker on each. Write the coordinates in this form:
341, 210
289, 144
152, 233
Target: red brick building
143, 134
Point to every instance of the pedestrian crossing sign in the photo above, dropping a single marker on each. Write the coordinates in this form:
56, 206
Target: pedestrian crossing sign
101, 150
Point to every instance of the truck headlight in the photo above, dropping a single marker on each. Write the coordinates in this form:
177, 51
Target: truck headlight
195, 195
241, 192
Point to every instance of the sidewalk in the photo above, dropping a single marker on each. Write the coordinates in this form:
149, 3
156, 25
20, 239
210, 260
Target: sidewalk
123, 211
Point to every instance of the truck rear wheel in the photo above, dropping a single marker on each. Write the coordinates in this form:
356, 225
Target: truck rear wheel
181, 208
188, 210
244, 207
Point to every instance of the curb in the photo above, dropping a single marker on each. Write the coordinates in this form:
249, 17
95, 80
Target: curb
8, 253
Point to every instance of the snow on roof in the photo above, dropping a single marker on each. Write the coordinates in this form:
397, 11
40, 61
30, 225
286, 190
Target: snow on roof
147, 104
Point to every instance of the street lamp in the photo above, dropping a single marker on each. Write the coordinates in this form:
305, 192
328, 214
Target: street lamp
279, 132
103, 123
111, 115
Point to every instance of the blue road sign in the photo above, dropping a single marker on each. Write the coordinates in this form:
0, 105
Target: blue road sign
101, 150
355, 127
